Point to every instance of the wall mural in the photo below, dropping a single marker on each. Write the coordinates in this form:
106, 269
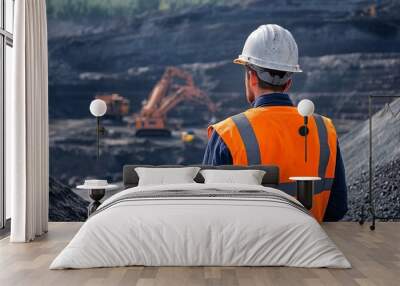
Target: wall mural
121, 50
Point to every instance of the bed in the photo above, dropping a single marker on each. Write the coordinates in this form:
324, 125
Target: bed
198, 224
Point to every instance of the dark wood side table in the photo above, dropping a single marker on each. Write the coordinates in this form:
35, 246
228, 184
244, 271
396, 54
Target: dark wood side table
96, 193
305, 190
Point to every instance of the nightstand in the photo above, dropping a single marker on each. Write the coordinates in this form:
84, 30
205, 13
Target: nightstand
305, 190
96, 193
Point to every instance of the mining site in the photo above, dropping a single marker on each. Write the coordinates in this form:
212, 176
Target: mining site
347, 52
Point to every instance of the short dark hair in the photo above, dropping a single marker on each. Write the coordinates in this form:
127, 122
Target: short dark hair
265, 85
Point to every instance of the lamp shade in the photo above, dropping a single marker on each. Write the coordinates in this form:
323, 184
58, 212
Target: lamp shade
305, 107
98, 107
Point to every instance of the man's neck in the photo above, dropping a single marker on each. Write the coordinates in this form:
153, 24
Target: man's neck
273, 99
263, 92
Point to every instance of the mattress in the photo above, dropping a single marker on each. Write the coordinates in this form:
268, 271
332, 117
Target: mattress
201, 225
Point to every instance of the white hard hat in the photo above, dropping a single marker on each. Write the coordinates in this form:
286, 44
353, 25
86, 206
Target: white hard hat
271, 47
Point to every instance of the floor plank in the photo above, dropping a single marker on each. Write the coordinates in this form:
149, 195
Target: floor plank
375, 256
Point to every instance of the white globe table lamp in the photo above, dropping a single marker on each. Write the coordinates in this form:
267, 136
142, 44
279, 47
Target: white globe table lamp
98, 108
305, 108
305, 185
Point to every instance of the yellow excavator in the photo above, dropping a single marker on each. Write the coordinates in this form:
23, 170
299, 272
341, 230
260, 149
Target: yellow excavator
176, 85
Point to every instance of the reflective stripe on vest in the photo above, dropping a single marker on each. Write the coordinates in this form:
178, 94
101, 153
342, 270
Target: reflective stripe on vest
250, 142
320, 186
324, 153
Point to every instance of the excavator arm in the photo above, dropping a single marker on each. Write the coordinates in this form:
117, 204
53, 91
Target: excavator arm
186, 93
166, 95
160, 90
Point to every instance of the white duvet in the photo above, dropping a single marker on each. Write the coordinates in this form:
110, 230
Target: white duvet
200, 231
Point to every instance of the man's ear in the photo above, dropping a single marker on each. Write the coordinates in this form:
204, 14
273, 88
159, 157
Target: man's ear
253, 78
287, 85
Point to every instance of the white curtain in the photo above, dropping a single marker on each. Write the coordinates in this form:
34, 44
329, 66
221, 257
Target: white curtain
27, 145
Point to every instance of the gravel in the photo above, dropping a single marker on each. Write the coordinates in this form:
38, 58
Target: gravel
386, 179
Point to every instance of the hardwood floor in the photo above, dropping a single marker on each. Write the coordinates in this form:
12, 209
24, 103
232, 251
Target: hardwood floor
375, 257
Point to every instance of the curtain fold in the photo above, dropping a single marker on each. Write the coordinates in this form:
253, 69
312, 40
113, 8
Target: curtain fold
27, 145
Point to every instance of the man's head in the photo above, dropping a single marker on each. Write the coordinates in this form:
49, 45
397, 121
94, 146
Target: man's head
256, 85
270, 57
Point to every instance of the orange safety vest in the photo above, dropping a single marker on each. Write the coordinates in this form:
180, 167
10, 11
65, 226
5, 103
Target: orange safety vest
270, 136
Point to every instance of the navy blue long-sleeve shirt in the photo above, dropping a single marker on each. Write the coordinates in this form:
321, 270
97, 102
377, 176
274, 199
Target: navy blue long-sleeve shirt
217, 153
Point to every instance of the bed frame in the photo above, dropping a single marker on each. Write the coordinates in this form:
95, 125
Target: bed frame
270, 179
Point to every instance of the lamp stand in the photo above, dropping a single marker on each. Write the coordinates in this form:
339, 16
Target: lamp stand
100, 130
305, 137
303, 131
369, 204
98, 137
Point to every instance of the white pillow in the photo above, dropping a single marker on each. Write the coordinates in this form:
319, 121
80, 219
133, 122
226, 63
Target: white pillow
248, 177
166, 176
